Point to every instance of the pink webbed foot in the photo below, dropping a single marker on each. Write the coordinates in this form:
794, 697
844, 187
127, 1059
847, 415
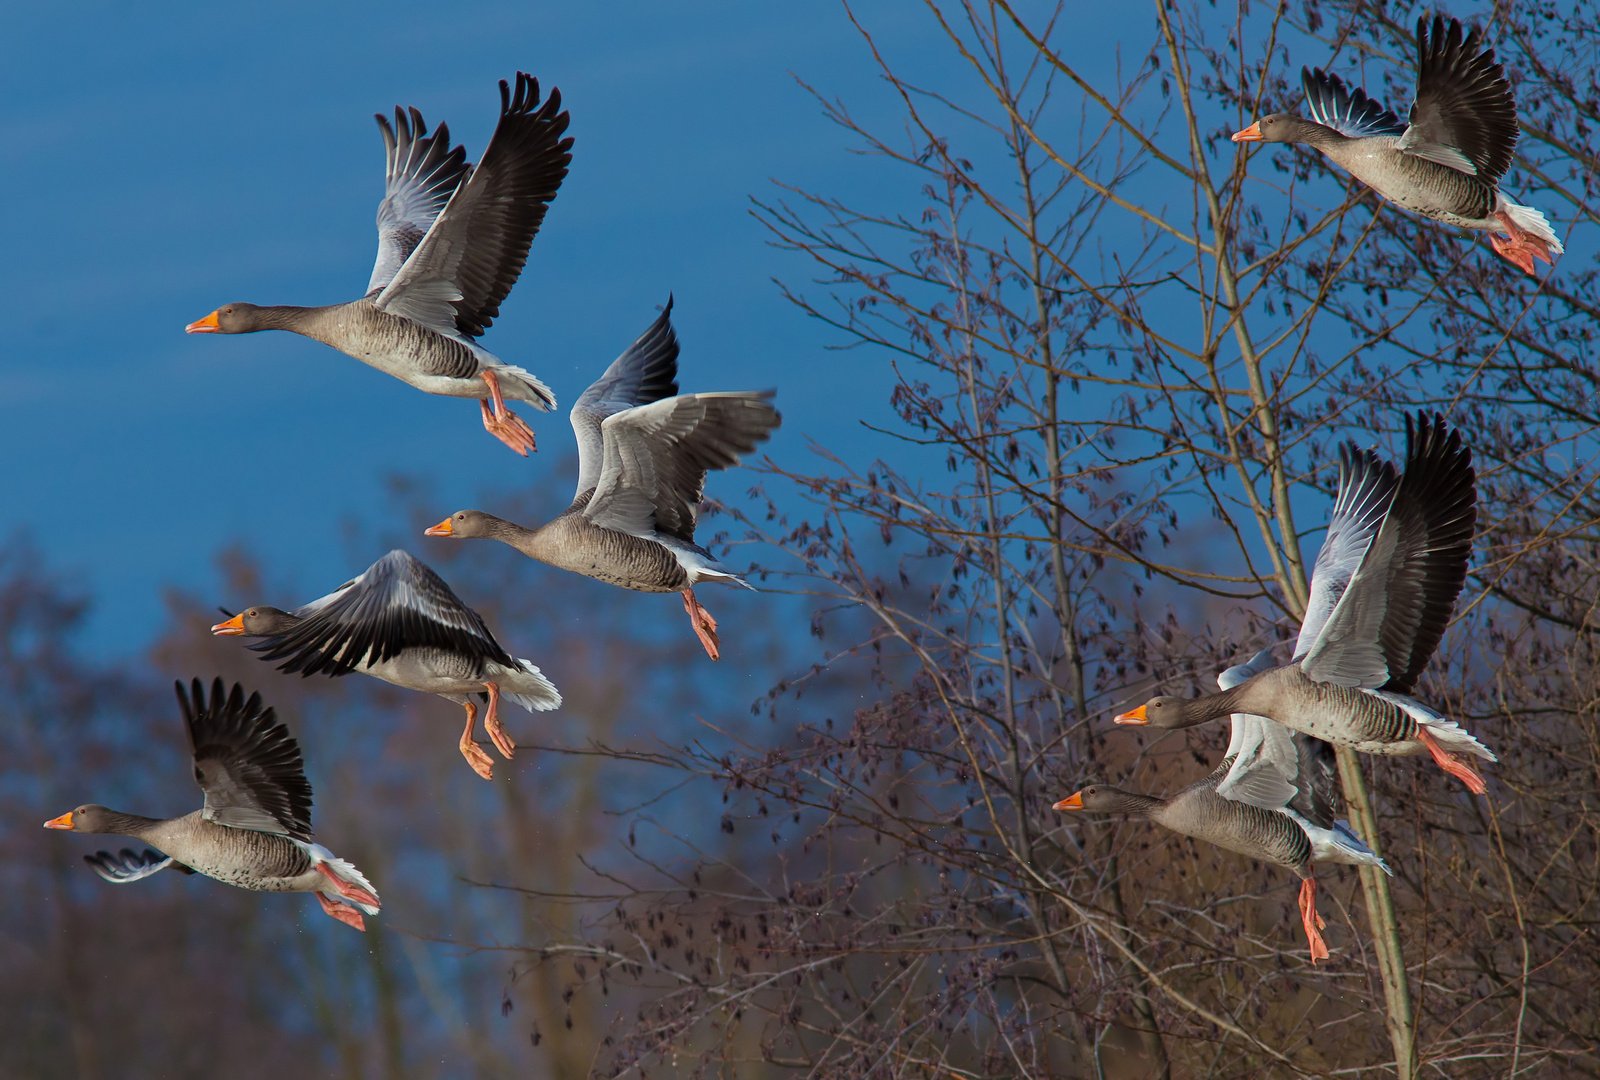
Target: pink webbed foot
1460, 766
705, 627
491, 724
1520, 247
1311, 920
481, 763
343, 912
347, 889
500, 421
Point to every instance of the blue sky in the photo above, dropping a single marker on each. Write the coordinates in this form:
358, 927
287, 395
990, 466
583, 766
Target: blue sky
162, 161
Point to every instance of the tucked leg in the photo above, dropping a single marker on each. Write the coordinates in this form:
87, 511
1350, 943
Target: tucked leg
1311, 920
481, 763
347, 889
1460, 766
705, 627
491, 724
501, 422
343, 912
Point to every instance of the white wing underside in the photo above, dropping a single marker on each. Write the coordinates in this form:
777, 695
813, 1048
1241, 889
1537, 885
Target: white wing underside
1265, 762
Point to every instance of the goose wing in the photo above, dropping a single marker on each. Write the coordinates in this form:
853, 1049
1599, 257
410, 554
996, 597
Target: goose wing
655, 458
1464, 115
1349, 111
466, 264
129, 865
1263, 753
246, 762
398, 603
421, 172
1367, 487
1384, 627
646, 372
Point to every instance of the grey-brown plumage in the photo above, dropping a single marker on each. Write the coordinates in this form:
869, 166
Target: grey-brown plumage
452, 240
1248, 830
643, 454
1382, 592
254, 830
1448, 161
399, 622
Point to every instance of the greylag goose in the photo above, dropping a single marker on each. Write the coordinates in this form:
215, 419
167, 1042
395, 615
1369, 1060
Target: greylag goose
1271, 798
255, 828
643, 453
1382, 591
401, 623
451, 242
1446, 163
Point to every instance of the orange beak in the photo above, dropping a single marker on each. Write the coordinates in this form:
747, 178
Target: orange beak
62, 822
1249, 134
1071, 802
444, 528
1134, 717
232, 628
208, 325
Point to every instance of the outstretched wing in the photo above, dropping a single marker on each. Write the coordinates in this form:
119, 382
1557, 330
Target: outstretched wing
1263, 770
1385, 626
1348, 111
421, 172
129, 865
1366, 491
397, 604
653, 469
466, 264
647, 371
246, 762
1464, 116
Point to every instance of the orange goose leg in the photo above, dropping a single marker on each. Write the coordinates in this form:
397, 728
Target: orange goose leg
481, 763
705, 627
502, 423
1521, 247
1457, 765
343, 912
1311, 920
348, 890
492, 725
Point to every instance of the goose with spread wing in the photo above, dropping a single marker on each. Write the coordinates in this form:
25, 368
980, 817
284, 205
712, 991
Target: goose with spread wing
255, 828
643, 453
452, 240
1382, 592
1447, 163
401, 623
1271, 798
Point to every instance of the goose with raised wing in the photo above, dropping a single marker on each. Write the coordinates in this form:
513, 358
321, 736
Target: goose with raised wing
1272, 799
254, 830
401, 623
1382, 592
1447, 163
643, 453
452, 240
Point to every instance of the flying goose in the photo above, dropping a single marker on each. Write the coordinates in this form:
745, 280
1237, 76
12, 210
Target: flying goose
255, 828
401, 623
1271, 798
643, 453
451, 242
1382, 592
1446, 164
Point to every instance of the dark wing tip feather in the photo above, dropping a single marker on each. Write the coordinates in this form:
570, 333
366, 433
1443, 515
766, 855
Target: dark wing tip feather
249, 743
529, 158
1437, 510
1464, 99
